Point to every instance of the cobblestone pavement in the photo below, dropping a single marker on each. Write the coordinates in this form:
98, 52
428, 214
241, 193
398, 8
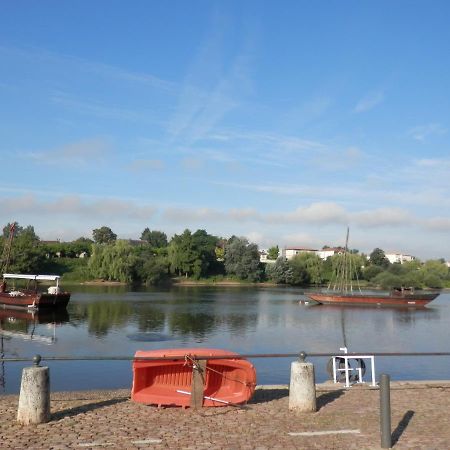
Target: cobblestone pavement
108, 419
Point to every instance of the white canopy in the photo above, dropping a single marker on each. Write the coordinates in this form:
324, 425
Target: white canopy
32, 277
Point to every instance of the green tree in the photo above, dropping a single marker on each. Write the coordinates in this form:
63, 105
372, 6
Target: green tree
242, 259
378, 258
80, 245
26, 255
192, 254
279, 272
115, 262
273, 252
387, 280
371, 272
306, 269
103, 235
156, 239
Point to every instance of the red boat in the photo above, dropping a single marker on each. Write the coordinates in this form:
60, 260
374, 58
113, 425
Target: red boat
394, 298
30, 297
168, 381
343, 293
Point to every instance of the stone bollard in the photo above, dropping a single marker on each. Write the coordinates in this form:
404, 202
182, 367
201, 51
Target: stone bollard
34, 398
302, 389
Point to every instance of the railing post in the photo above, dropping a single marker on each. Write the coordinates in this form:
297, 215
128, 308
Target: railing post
34, 398
302, 389
385, 411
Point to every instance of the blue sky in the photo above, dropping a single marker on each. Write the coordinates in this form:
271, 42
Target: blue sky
280, 121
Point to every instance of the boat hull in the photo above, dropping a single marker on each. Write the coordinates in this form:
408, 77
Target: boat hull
35, 300
411, 300
168, 381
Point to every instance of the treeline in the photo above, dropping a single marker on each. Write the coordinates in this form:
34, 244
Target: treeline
153, 259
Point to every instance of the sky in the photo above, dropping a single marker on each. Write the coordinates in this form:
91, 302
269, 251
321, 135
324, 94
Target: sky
284, 122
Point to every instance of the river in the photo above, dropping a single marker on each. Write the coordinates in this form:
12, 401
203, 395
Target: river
116, 321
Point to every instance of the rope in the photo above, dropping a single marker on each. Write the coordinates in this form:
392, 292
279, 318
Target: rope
188, 359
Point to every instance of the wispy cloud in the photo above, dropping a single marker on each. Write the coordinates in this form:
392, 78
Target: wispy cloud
383, 217
72, 63
75, 206
145, 165
209, 91
422, 132
102, 110
319, 213
369, 101
81, 153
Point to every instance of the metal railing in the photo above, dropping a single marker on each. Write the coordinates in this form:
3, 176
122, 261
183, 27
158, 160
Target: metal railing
302, 355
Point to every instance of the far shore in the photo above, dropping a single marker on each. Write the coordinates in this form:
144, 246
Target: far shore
221, 283
181, 282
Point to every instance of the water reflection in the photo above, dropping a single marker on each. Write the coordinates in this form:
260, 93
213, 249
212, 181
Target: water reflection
111, 321
24, 325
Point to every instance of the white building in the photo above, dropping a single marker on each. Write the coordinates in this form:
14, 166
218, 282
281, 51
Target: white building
325, 253
399, 258
263, 257
290, 252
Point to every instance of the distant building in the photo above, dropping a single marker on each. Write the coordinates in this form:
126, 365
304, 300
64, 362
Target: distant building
290, 252
326, 252
399, 258
263, 257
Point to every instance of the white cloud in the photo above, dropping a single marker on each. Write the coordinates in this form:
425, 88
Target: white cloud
102, 110
145, 165
384, 217
316, 213
423, 132
75, 207
76, 64
368, 102
81, 153
210, 91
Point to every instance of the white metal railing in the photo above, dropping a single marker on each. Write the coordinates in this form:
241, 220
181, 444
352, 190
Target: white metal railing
348, 370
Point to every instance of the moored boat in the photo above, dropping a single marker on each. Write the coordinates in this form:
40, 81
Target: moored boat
168, 379
30, 296
359, 298
343, 292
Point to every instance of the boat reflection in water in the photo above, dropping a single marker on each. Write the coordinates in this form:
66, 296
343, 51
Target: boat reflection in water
19, 323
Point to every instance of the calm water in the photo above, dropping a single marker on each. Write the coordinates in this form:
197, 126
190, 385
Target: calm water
107, 321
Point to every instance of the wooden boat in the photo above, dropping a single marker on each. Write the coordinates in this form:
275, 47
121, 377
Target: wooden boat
409, 299
343, 292
30, 297
169, 381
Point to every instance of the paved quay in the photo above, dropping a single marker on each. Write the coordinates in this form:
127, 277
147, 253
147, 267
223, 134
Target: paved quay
346, 419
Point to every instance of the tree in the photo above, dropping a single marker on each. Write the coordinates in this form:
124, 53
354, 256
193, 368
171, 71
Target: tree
156, 239
80, 245
280, 272
242, 259
26, 255
273, 252
387, 280
104, 235
192, 254
371, 272
378, 258
115, 262
306, 269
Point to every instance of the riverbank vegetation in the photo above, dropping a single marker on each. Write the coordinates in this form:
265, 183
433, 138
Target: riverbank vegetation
198, 257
